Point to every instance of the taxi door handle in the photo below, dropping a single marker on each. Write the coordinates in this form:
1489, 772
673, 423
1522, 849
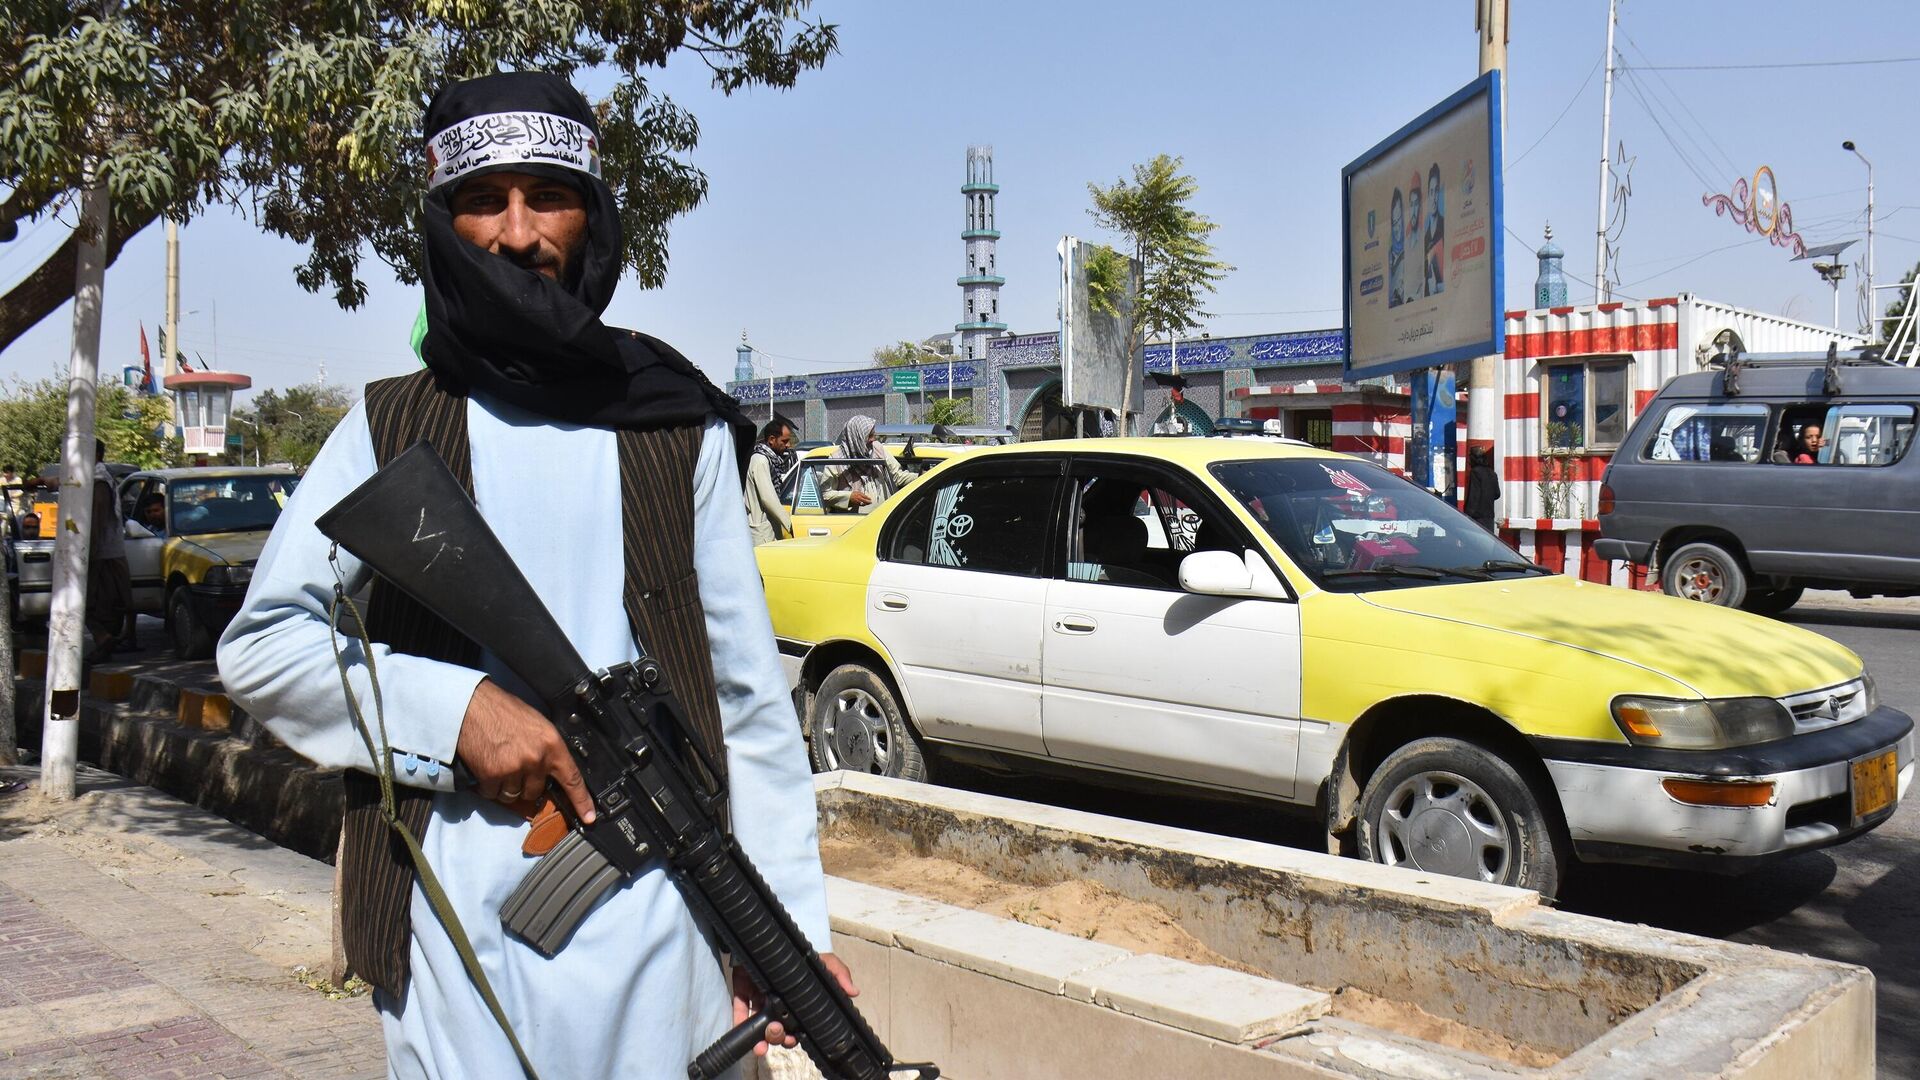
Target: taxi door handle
893, 602
819, 531
1075, 624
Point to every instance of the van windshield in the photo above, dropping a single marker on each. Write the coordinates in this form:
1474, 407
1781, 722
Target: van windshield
1356, 527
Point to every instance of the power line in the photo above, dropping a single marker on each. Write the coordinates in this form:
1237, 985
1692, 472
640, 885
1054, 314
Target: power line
1800, 64
1725, 159
1633, 87
1556, 120
1691, 261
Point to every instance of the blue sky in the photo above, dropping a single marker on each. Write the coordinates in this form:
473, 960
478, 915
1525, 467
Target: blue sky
832, 225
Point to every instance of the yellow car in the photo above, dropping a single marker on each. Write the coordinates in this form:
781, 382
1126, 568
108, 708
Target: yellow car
193, 536
815, 509
1272, 620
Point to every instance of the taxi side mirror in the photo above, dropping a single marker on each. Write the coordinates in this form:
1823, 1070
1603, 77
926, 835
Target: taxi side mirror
1224, 573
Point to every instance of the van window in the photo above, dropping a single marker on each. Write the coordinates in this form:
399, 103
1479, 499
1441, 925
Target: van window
1867, 434
1691, 432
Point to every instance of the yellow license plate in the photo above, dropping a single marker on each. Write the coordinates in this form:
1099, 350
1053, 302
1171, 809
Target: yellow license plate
1875, 783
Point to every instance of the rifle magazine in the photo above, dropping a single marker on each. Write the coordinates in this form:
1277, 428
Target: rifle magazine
557, 893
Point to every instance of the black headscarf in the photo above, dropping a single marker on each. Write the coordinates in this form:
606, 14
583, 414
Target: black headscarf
512, 334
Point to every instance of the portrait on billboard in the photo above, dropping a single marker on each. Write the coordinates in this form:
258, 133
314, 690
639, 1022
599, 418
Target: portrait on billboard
1428, 292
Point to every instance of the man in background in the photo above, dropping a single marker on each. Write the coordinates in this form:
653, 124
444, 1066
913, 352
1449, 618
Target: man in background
109, 585
767, 517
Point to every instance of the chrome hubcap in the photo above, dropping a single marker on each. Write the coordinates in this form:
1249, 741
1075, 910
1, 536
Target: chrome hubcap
1701, 580
855, 733
1443, 823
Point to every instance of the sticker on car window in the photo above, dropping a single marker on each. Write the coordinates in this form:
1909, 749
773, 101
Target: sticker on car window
948, 526
1345, 480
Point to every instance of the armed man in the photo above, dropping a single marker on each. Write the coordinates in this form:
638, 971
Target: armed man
645, 547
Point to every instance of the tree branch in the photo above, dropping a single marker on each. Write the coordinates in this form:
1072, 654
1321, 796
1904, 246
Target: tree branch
42, 292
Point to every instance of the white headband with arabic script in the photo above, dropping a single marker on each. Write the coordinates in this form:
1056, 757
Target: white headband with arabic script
511, 138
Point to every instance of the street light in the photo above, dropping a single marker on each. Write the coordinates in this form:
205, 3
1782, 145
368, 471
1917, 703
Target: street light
1873, 323
256, 436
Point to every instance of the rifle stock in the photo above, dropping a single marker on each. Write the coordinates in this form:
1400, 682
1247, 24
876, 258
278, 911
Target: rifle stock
414, 525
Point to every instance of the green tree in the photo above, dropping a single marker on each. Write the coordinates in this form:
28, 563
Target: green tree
950, 411
1106, 274
291, 425
306, 116
1891, 320
33, 421
1172, 243
903, 354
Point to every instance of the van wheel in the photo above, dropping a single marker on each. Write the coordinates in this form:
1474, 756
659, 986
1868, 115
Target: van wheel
1772, 601
858, 725
1704, 572
191, 641
1446, 806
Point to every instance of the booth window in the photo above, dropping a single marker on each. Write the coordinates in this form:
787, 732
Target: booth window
1584, 404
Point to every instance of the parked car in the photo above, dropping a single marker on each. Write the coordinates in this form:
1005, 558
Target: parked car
193, 536
1715, 485
1264, 619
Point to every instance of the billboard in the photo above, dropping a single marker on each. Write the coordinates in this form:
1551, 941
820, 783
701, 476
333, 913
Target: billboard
1093, 344
1421, 220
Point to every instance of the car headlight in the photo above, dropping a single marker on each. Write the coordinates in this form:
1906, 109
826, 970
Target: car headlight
1873, 695
228, 575
1714, 724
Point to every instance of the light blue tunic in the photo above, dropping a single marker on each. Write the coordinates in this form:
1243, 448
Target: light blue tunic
636, 992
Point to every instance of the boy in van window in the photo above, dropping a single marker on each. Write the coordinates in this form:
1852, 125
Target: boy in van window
1808, 452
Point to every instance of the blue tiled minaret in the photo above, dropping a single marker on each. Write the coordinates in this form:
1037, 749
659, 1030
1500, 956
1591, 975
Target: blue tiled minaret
1550, 288
980, 284
743, 360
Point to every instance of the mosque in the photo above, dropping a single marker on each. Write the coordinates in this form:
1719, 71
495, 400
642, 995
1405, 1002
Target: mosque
1013, 379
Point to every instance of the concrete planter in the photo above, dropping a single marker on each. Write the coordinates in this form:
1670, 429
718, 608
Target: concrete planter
1556, 995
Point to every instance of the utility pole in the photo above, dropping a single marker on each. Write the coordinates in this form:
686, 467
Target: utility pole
1485, 407
66, 626
167, 364
1602, 292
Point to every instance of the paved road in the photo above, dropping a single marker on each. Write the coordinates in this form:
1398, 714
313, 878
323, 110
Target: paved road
1859, 903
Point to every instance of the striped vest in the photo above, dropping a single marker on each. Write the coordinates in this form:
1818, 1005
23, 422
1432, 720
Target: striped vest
662, 603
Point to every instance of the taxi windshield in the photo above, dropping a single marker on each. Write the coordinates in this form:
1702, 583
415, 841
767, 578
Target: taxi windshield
228, 503
1355, 527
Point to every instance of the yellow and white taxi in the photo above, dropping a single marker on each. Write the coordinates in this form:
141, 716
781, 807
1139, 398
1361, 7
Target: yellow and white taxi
1283, 622
193, 537
820, 505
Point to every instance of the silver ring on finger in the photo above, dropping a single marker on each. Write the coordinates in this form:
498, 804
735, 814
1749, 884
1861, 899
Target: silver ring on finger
511, 794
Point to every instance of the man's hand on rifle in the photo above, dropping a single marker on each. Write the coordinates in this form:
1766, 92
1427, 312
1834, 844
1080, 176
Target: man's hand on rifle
512, 751
747, 1000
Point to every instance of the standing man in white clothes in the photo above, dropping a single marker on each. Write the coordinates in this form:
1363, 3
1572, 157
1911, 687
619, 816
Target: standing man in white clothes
644, 547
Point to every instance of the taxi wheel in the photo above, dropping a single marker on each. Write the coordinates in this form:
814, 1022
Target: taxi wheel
1445, 806
1705, 572
191, 641
858, 725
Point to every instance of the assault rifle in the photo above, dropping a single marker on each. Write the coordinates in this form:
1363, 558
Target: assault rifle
654, 790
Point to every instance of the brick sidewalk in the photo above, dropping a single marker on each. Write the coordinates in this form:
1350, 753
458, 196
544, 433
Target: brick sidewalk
143, 937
